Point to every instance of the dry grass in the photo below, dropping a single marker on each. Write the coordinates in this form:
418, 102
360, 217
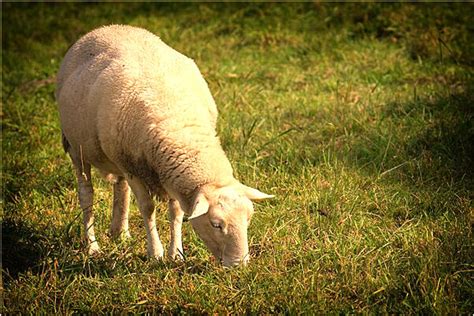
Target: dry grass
358, 117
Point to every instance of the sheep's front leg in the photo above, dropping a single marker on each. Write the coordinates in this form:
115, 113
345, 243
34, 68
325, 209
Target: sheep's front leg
119, 225
86, 197
175, 250
147, 209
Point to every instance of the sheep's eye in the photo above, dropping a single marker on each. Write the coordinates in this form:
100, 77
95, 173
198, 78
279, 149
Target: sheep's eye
216, 225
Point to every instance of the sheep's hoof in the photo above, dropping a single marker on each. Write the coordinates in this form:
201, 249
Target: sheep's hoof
94, 248
176, 254
120, 235
156, 258
156, 254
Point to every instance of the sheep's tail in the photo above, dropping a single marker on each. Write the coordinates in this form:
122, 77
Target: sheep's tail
66, 144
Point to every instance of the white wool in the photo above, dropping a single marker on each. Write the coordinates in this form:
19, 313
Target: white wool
133, 103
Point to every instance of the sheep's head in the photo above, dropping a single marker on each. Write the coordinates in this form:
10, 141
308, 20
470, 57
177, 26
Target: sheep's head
221, 219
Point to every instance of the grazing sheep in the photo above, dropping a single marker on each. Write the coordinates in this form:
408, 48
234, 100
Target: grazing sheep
142, 114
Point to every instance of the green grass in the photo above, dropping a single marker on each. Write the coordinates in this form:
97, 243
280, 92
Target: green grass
358, 117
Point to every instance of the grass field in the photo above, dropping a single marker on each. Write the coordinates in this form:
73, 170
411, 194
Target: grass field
358, 117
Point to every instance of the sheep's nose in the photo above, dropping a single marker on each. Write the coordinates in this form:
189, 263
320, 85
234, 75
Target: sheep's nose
229, 263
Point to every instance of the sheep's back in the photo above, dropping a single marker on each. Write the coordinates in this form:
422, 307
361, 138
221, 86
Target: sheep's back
119, 83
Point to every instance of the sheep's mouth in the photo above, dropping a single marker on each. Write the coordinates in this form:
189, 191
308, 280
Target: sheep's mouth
233, 262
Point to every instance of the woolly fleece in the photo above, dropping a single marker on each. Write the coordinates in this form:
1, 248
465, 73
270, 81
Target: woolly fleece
131, 105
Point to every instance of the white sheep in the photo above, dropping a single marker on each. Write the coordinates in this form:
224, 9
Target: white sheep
142, 114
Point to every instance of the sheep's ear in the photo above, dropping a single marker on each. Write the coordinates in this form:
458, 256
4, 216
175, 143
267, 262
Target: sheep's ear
254, 194
201, 206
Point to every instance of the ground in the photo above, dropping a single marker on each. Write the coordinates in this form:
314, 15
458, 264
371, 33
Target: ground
358, 117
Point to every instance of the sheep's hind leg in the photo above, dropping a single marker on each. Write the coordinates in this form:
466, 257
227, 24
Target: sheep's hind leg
119, 225
147, 209
86, 198
175, 250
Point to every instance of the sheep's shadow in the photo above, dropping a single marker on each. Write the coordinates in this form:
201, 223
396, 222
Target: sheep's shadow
21, 248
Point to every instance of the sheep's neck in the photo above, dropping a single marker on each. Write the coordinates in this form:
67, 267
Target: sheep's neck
186, 165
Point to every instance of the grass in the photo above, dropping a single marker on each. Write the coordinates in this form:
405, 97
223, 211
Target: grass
359, 117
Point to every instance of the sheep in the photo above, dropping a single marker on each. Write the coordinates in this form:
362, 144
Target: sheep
142, 114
